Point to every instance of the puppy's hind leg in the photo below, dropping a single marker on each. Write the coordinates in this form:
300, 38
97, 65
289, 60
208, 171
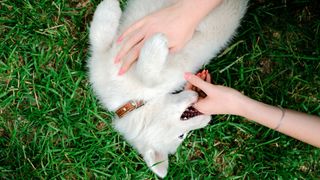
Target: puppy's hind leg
104, 24
152, 59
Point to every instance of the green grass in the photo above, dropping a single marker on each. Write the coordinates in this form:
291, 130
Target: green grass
52, 126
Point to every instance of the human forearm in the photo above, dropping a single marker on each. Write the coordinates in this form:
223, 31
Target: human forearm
224, 100
259, 112
298, 125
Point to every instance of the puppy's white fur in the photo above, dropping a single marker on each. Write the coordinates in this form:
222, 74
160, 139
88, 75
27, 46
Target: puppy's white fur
155, 129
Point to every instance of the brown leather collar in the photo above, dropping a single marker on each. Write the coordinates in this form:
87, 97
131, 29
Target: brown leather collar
128, 107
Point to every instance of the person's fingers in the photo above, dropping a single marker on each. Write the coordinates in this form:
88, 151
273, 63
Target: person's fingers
131, 29
173, 45
131, 42
208, 77
198, 74
204, 74
202, 106
188, 86
197, 81
174, 49
130, 58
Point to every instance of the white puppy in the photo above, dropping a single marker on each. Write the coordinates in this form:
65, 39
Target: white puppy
155, 129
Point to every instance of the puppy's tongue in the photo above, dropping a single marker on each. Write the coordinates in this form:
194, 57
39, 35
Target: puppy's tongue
190, 112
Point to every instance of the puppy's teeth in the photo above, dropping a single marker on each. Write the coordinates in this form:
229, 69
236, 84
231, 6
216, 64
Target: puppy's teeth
190, 112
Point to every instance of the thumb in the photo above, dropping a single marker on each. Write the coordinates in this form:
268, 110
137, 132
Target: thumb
203, 105
196, 81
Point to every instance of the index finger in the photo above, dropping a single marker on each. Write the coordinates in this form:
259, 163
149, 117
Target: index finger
198, 82
129, 30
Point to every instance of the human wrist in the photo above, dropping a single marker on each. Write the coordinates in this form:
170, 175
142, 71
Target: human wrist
250, 108
241, 104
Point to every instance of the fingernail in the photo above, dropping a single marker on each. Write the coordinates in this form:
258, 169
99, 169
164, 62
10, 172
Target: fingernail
202, 74
121, 72
116, 60
119, 40
187, 75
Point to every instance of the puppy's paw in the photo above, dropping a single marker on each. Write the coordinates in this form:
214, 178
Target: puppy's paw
156, 48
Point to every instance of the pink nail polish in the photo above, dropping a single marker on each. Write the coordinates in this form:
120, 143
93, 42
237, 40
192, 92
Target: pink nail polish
119, 39
121, 72
116, 60
187, 75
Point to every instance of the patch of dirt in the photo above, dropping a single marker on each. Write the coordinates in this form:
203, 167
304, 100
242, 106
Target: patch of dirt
82, 4
198, 154
101, 125
266, 65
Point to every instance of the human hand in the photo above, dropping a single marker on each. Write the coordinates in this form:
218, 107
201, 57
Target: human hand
205, 76
174, 21
219, 99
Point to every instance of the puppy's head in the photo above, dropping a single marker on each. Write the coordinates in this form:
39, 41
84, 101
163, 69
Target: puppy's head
158, 128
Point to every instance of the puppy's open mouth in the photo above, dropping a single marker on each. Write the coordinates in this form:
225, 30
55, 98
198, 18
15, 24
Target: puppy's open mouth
190, 112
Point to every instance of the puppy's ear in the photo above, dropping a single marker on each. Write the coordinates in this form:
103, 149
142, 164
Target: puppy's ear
157, 162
